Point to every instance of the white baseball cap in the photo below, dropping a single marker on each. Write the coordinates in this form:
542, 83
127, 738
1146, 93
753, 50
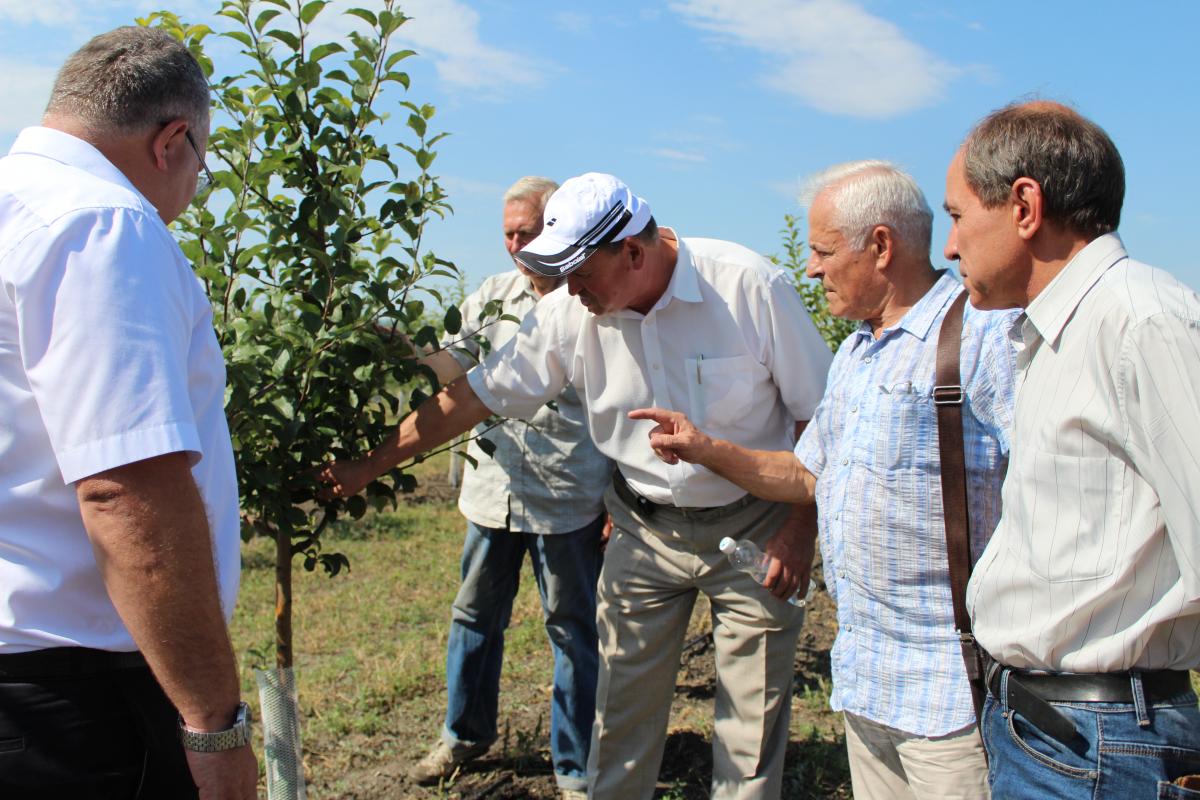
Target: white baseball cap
585, 213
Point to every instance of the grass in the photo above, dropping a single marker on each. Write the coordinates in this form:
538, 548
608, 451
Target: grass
369, 660
371, 641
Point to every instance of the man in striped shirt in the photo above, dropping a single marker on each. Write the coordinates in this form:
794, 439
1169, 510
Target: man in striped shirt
870, 460
1088, 597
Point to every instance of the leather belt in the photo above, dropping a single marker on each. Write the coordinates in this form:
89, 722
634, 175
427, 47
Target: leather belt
1030, 695
647, 507
66, 662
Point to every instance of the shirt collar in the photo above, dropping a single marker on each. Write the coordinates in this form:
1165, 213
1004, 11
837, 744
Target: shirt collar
1055, 304
72, 151
685, 282
919, 319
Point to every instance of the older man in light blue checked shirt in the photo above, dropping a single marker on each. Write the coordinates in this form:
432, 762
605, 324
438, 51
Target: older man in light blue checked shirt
870, 460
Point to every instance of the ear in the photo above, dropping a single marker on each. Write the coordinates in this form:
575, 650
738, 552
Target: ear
637, 252
1028, 207
883, 246
166, 143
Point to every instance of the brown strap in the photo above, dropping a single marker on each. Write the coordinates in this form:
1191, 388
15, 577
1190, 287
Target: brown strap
948, 399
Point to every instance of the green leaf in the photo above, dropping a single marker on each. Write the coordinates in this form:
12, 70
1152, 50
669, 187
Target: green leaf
309, 11
362, 14
240, 36
453, 320
287, 37
324, 50
417, 123
487, 446
396, 58
262, 19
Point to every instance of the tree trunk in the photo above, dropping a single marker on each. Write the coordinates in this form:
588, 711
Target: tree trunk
283, 599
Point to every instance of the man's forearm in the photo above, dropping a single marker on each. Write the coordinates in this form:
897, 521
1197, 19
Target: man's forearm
452, 411
152, 543
770, 474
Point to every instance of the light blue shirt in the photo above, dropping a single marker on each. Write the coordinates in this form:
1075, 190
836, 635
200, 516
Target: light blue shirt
873, 446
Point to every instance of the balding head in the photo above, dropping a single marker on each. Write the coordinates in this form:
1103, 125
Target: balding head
1072, 159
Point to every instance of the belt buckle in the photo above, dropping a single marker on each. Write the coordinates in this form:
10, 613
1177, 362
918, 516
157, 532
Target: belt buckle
646, 506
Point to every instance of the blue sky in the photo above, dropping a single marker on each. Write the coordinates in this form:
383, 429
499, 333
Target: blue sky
715, 110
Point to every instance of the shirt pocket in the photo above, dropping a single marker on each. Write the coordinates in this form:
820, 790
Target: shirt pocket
1072, 508
903, 423
721, 390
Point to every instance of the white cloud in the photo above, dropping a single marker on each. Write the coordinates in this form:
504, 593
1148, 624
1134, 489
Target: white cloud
25, 89
447, 33
462, 187
832, 54
44, 12
573, 22
684, 156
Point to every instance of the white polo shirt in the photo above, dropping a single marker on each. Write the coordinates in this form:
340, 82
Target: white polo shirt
107, 357
729, 343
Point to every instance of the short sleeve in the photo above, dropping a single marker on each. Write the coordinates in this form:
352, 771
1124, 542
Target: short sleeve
531, 368
797, 356
810, 450
1159, 389
105, 308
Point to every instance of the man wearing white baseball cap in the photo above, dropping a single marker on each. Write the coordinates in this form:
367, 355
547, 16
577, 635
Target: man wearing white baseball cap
701, 324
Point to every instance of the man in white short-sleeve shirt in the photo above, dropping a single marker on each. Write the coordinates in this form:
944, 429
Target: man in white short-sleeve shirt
119, 546
704, 325
1088, 595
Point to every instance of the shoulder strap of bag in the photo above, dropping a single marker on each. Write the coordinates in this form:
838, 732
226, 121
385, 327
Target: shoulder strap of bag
948, 399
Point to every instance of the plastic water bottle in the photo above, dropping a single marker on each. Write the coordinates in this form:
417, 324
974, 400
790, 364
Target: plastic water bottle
746, 556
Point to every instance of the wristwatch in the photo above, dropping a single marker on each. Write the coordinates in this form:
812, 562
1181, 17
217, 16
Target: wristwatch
233, 737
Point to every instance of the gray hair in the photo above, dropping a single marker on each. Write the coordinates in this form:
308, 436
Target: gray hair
869, 193
1073, 160
532, 189
131, 79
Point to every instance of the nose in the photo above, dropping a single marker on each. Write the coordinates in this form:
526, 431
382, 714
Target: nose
574, 285
951, 249
813, 269
513, 243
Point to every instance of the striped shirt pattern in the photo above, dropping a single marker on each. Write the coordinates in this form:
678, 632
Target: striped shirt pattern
1095, 565
873, 446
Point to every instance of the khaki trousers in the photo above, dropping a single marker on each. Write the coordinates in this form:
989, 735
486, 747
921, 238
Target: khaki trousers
654, 566
888, 764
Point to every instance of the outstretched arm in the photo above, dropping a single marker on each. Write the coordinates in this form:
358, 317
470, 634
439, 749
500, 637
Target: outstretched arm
770, 474
439, 419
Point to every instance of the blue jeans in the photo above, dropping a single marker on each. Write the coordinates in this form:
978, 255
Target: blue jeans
1114, 756
566, 567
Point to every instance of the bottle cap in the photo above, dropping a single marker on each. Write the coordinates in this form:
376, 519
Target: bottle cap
727, 545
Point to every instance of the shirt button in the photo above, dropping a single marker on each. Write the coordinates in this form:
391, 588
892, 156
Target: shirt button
845, 461
854, 409
655, 366
849, 628
868, 360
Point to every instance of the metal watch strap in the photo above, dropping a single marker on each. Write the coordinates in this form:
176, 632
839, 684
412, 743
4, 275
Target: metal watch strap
233, 737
